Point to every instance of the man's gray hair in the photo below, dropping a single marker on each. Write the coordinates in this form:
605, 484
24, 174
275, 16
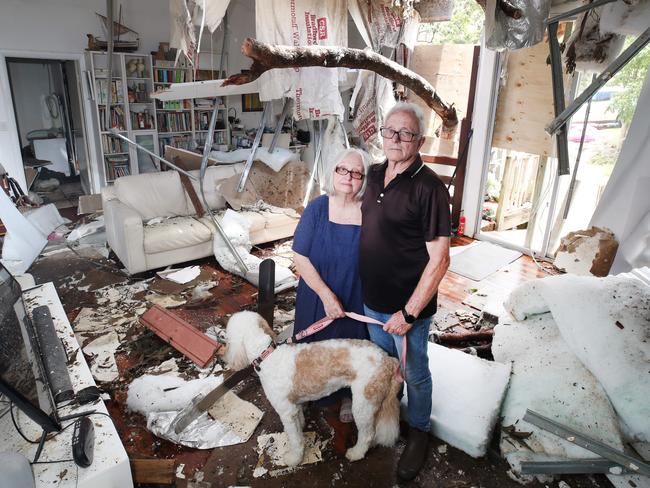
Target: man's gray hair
327, 181
412, 109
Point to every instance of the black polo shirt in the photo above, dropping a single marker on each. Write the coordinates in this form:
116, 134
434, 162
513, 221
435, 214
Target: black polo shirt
397, 222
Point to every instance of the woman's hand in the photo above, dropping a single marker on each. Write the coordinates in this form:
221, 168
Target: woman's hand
333, 308
397, 325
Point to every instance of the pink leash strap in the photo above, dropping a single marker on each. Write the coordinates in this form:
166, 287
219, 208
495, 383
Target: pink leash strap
324, 322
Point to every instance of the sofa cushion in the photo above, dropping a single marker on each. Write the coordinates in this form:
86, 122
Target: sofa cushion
213, 176
175, 233
153, 194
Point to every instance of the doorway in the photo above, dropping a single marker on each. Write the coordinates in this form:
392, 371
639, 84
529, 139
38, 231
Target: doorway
526, 205
47, 102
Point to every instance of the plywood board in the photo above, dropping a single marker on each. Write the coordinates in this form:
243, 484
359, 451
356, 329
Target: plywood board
448, 68
525, 104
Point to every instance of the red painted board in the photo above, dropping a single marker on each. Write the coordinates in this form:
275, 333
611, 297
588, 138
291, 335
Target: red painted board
181, 335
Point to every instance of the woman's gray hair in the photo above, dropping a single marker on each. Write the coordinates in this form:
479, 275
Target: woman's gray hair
412, 109
327, 181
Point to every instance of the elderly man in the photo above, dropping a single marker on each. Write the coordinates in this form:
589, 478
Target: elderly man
403, 256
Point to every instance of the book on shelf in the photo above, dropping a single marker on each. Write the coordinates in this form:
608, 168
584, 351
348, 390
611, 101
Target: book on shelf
202, 121
174, 122
141, 120
174, 104
113, 145
180, 141
117, 165
207, 103
217, 138
173, 75
117, 118
117, 95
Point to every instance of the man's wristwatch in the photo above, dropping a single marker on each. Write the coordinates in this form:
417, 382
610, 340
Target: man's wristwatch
408, 317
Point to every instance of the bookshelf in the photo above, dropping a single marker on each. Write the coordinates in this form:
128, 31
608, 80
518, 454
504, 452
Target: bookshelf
151, 123
184, 123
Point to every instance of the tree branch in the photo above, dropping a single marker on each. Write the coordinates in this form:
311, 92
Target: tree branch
266, 57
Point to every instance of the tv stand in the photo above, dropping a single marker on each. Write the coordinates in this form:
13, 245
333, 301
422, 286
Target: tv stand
110, 467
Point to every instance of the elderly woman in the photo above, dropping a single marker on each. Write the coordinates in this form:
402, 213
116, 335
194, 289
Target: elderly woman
326, 245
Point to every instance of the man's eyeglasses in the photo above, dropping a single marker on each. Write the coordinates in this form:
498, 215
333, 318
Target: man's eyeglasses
403, 135
356, 175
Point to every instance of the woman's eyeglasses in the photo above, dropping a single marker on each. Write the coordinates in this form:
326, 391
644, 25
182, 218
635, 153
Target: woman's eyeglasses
356, 175
402, 135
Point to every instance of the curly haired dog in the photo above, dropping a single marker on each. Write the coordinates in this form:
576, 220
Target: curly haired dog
296, 373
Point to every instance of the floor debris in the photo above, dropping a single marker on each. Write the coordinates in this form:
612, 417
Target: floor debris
181, 276
273, 447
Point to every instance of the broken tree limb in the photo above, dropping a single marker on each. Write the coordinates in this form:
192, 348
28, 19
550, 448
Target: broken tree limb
455, 337
266, 56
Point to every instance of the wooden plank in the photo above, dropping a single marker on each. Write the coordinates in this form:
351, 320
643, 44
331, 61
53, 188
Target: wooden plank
430, 158
181, 335
185, 159
158, 471
448, 68
525, 103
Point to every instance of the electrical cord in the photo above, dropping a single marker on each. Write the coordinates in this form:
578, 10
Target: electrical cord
13, 420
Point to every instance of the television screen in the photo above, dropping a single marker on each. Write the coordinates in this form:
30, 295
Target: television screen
21, 370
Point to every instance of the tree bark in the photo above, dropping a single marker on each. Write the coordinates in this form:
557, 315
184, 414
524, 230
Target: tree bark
266, 57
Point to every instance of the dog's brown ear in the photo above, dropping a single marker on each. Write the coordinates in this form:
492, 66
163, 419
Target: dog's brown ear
265, 327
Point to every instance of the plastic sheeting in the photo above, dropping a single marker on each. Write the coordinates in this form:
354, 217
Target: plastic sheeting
236, 228
506, 33
380, 27
23, 241
624, 204
303, 23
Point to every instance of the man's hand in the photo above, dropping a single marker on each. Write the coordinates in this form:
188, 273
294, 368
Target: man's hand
333, 308
397, 325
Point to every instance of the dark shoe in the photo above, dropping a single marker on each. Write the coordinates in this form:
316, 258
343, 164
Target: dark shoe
414, 454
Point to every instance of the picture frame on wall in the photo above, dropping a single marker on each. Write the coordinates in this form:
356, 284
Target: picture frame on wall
250, 102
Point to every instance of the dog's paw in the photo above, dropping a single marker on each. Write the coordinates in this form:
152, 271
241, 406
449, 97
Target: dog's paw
293, 458
354, 454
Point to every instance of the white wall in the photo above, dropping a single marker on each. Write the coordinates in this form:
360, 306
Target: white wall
61, 25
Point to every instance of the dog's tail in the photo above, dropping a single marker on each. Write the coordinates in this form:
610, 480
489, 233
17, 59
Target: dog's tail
387, 419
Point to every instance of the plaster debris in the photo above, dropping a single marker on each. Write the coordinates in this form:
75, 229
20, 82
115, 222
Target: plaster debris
442, 449
588, 252
102, 350
179, 471
181, 276
86, 229
273, 447
165, 301
240, 416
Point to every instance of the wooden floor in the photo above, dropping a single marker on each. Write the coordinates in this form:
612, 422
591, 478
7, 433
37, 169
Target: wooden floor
454, 288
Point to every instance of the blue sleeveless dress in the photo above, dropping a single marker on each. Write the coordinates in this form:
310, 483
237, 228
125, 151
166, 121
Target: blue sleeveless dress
333, 249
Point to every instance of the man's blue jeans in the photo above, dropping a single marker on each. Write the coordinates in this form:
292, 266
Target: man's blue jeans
418, 375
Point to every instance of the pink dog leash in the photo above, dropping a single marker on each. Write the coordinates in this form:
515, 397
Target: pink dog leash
324, 322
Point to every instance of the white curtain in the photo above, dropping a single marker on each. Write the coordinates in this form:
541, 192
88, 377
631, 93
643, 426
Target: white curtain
624, 207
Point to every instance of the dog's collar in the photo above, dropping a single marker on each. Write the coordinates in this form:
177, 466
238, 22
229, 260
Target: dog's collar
263, 355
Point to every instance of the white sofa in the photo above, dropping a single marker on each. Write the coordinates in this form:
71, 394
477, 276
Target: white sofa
181, 236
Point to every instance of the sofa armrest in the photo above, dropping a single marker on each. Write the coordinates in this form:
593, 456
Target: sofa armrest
125, 235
